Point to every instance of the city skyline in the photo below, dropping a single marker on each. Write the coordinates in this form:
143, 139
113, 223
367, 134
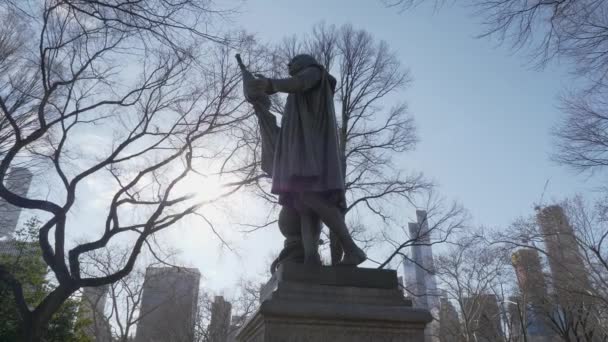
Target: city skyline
563, 258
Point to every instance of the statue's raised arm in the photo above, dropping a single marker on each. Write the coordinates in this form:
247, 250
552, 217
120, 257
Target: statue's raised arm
267, 122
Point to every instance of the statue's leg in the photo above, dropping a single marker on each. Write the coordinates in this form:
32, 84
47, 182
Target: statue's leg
318, 227
310, 238
333, 218
335, 248
310, 228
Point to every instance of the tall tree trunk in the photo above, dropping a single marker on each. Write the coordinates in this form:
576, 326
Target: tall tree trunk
31, 331
34, 324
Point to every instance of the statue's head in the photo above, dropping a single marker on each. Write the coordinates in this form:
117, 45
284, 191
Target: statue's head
300, 62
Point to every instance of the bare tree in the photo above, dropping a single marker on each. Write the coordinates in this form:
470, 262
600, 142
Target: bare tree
246, 300
574, 31
588, 236
244, 304
582, 304
582, 135
136, 73
472, 274
591, 231
203, 317
443, 219
19, 92
125, 295
575, 309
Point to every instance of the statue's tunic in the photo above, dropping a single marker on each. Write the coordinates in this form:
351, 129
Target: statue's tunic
307, 151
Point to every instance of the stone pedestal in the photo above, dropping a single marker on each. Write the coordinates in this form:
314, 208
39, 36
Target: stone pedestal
334, 304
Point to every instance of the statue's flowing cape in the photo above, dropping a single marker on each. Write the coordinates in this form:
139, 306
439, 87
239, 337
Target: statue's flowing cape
306, 154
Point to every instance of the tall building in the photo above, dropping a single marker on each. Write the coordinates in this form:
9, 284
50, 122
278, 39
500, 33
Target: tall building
515, 314
168, 308
530, 278
568, 270
414, 273
449, 324
484, 317
533, 294
413, 288
524, 324
219, 327
18, 181
92, 310
569, 276
419, 272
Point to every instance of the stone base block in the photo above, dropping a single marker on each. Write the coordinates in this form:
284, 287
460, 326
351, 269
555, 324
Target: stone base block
334, 304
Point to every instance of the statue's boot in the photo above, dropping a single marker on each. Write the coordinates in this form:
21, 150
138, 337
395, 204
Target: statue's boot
353, 257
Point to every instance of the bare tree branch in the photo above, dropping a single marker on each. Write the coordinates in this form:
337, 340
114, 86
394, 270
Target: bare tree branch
133, 72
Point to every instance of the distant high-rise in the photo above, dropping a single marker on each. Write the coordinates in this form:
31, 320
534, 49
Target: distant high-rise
533, 294
93, 306
96, 297
219, 327
419, 272
569, 276
168, 308
414, 273
449, 324
18, 180
413, 289
516, 313
568, 270
529, 271
484, 317
526, 323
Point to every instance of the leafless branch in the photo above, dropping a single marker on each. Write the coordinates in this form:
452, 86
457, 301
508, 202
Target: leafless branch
144, 78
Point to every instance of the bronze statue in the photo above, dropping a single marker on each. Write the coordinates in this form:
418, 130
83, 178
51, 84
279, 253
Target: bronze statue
306, 169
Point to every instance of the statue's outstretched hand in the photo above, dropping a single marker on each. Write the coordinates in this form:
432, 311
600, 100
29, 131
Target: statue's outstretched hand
259, 86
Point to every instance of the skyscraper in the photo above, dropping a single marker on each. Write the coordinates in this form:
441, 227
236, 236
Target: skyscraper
419, 272
515, 314
569, 276
533, 294
414, 273
168, 308
219, 327
449, 324
92, 310
18, 180
568, 270
529, 271
484, 317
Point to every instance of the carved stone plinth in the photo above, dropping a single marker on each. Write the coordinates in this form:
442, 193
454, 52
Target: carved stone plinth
334, 304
